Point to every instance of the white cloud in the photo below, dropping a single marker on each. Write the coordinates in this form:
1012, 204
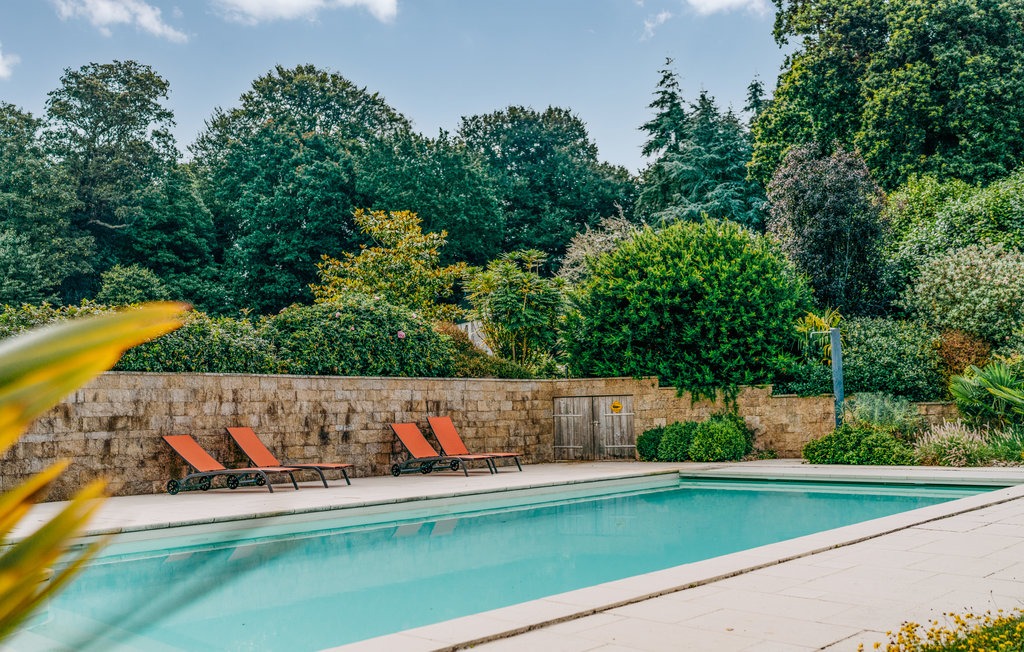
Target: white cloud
255, 11
7, 63
712, 6
103, 14
653, 23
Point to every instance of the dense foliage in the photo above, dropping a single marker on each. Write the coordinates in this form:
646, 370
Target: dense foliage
518, 308
548, 178
977, 290
704, 306
920, 87
825, 210
700, 170
403, 267
357, 335
879, 355
858, 444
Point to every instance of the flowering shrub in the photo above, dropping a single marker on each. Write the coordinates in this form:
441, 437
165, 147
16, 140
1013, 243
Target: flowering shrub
979, 290
989, 632
954, 443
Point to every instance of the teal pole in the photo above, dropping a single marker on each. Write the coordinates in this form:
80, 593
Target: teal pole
837, 373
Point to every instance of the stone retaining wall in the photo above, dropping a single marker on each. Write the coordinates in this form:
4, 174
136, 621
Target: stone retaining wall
112, 427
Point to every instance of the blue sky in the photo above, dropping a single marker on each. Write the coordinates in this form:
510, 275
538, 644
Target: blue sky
433, 60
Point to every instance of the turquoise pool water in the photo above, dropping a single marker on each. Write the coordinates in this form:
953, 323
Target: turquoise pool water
346, 583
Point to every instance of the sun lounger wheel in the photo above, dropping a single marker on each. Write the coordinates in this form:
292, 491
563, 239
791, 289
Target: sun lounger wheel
260, 481
173, 487
205, 483
396, 470
426, 468
454, 466
232, 482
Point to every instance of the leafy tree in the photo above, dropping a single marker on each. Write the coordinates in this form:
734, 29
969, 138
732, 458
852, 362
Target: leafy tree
705, 306
922, 86
519, 308
547, 174
444, 184
403, 267
942, 93
826, 212
126, 286
39, 251
279, 175
701, 166
818, 94
108, 126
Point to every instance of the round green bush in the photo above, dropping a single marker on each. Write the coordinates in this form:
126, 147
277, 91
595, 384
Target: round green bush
849, 444
647, 444
675, 443
125, 286
718, 440
704, 306
358, 336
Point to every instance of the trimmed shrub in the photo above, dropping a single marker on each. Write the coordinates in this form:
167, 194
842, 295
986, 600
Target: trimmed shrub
125, 286
979, 290
358, 336
647, 444
205, 344
704, 306
719, 440
854, 444
675, 443
954, 444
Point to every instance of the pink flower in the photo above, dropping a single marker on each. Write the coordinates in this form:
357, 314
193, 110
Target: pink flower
401, 335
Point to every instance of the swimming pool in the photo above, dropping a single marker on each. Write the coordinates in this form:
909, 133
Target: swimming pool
318, 584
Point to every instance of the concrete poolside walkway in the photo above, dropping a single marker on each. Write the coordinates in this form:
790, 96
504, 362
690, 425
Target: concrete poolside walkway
826, 591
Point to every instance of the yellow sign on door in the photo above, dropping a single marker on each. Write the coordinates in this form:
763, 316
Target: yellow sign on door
616, 407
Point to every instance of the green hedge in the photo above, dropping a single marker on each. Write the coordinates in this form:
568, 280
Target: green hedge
647, 444
358, 336
675, 445
849, 444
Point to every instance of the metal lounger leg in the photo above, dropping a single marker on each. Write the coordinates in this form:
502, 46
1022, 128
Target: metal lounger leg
345, 473
291, 474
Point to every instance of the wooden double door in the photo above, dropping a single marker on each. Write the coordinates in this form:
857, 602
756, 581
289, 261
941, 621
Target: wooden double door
594, 428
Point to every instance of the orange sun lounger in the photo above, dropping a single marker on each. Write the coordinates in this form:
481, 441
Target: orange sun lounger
452, 444
425, 459
261, 457
206, 468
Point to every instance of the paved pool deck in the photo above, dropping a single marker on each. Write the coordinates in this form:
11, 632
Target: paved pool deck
827, 591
